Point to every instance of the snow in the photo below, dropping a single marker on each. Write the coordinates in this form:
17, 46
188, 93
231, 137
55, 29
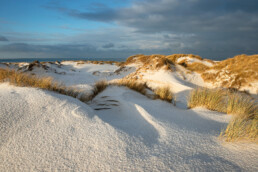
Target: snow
119, 130
194, 60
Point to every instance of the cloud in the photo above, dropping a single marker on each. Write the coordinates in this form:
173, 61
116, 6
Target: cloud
212, 29
2, 38
104, 15
108, 45
24, 50
176, 15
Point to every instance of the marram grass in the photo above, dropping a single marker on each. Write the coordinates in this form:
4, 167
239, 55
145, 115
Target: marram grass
244, 111
47, 83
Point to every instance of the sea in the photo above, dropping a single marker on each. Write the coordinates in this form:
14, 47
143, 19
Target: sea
60, 59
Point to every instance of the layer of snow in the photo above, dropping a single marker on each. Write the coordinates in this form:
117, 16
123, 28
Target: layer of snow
44, 131
193, 60
119, 130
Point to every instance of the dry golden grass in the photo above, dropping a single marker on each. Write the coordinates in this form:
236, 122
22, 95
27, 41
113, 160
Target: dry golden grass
204, 97
244, 124
22, 79
98, 62
240, 71
241, 129
238, 104
173, 58
99, 86
47, 83
153, 62
164, 93
158, 61
197, 67
132, 84
209, 76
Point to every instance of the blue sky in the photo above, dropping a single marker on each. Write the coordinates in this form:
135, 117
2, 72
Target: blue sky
120, 28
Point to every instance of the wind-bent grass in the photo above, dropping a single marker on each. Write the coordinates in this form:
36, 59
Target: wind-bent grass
22, 79
164, 93
241, 128
132, 84
211, 99
99, 87
240, 105
244, 123
47, 83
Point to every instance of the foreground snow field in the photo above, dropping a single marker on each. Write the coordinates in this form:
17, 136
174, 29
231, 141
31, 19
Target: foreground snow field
119, 130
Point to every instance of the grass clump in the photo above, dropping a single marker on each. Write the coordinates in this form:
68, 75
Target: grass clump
240, 129
27, 80
164, 93
244, 123
132, 84
210, 99
98, 87
241, 105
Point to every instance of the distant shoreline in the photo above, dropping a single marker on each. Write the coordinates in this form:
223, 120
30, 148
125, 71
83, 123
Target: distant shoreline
58, 59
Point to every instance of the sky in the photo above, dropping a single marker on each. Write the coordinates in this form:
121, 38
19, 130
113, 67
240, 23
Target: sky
214, 29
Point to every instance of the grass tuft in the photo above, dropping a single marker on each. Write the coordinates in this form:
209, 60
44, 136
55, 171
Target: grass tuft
241, 105
99, 86
47, 83
211, 99
241, 129
244, 124
164, 93
132, 84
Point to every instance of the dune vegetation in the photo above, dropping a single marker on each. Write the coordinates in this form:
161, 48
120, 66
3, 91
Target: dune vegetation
164, 93
234, 72
244, 123
47, 83
230, 73
132, 84
209, 98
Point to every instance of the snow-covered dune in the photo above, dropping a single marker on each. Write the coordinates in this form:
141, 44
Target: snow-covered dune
45, 131
119, 130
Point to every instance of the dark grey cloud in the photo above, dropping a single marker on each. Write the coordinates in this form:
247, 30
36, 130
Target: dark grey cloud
228, 26
2, 38
176, 15
104, 15
108, 45
211, 28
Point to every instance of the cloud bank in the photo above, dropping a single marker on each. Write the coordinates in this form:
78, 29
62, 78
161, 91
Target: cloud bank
213, 29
